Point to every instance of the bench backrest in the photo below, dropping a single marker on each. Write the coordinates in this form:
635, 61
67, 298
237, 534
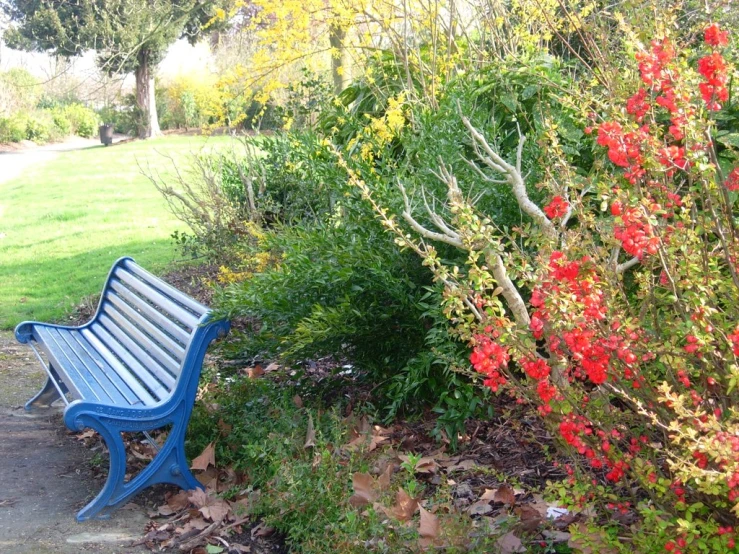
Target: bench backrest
148, 325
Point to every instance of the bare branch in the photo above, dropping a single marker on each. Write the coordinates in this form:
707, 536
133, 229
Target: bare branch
512, 174
452, 239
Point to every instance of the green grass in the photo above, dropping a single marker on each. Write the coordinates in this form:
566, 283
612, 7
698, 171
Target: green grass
64, 222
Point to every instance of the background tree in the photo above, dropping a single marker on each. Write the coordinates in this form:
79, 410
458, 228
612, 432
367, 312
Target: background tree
130, 36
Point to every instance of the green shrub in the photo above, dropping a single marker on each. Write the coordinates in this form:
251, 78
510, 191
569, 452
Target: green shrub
61, 121
12, 129
40, 127
84, 121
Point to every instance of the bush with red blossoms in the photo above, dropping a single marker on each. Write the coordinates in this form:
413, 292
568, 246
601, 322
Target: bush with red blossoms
619, 319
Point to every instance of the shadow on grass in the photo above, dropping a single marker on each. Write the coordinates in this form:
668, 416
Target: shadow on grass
49, 289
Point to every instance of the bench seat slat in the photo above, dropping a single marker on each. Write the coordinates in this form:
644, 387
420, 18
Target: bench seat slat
150, 293
146, 310
92, 360
137, 370
144, 359
166, 288
99, 349
159, 355
81, 374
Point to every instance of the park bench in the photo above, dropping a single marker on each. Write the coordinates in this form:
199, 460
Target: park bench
134, 367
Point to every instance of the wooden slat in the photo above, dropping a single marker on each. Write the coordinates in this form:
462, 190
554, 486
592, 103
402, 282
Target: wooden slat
99, 370
158, 389
72, 376
166, 288
134, 350
158, 299
169, 326
157, 356
104, 356
171, 346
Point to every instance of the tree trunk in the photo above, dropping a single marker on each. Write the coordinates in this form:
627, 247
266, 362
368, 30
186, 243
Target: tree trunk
340, 62
148, 122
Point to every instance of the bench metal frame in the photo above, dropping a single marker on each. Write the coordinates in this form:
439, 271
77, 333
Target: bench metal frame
154, 409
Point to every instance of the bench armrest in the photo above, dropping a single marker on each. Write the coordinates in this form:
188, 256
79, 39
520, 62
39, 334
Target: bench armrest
24, 330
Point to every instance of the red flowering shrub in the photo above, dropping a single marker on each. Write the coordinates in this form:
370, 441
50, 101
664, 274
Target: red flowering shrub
623, 327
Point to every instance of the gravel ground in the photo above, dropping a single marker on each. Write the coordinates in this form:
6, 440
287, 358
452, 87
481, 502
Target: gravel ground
46, 474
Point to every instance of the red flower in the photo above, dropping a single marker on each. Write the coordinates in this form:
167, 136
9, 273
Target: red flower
637, 105
732, 181
713, 68
716, 37
556, 208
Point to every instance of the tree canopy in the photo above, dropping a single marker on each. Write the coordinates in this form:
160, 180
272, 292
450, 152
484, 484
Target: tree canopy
128, 35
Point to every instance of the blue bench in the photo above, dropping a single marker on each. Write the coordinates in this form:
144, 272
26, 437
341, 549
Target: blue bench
133, 368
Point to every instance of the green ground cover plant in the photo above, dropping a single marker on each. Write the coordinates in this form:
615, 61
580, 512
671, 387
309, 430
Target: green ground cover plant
63, 222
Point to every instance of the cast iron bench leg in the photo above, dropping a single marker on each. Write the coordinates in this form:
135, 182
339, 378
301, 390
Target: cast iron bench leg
168, 466
45, 397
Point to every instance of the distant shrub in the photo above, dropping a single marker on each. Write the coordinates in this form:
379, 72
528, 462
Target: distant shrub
61, 121
83, 120
40, 127
12, 129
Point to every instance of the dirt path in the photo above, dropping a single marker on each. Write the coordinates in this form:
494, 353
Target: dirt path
14, 161
45, 474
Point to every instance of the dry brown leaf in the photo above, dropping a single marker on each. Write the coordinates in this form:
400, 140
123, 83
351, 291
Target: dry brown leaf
480, 508
529, 516
383, 482
217, 511
272, 367
198, 498
405, 506
510, 544
463, 465
425, 465
505, 495
206, 458
254, 372
196, 523
489, 494
297, 401
363, 490
310, 435
240, 547
261, 530
224, 427
428, 528
178, 501
165, 510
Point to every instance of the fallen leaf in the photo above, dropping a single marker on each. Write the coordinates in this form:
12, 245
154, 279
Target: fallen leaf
529, 516
425, 465
165, 510
217, 511
510, 544
505, 495
428, 528
310, 436
489, 494
206, 458
363, 490
272, 367
261, 530
383, 482
297, 401
224, 427
556, 536
240, 547
480, 508
254, 372
198, 498
405, 506
464, 465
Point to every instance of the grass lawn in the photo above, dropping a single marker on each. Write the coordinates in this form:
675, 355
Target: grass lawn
64, 222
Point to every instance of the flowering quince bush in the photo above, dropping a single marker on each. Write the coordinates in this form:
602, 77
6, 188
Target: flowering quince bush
615, 309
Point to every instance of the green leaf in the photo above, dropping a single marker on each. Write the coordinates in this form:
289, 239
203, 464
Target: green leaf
213, 549
729, 139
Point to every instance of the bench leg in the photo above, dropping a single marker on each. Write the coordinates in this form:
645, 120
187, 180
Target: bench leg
168, 466
45, 397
